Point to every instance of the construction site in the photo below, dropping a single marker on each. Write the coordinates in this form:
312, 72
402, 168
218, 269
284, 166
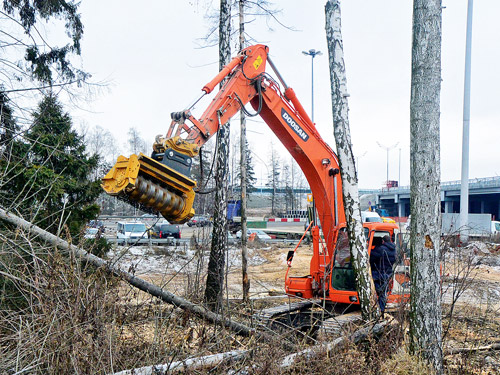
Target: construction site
170, 255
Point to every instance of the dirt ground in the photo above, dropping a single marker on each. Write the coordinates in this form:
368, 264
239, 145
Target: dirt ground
475, 268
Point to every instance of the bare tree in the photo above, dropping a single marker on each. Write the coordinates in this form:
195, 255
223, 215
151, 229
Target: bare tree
135, 142
215, 276
357, 241
425, 316
100, 142
273, 177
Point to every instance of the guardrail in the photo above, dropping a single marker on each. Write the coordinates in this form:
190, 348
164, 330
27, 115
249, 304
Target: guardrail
148, 241
174, 241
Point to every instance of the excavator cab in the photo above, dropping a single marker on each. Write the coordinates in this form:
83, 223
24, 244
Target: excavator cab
343, 281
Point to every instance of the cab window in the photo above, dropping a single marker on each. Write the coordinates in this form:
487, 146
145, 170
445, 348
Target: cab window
342, 273
342, 250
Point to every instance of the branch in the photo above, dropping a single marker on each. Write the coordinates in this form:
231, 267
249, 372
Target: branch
451, 351
45, 87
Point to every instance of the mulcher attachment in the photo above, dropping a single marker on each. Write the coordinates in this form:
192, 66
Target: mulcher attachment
152, 186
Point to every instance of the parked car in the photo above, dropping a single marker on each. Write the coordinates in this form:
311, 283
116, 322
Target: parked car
263, 236
199, 221
91, 233
130, 231
164, 230
97, 224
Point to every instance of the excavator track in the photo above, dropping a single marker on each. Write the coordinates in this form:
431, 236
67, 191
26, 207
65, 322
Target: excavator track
301, 315
296, 315
338, 325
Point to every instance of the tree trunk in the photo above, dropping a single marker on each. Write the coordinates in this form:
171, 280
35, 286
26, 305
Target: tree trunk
189, 365
357, 241
325, 349
215, 276
243, 167
425, 316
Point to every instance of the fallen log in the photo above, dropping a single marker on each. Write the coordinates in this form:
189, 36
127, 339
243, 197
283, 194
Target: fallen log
321, 349
139, 283
190, 364
451, 351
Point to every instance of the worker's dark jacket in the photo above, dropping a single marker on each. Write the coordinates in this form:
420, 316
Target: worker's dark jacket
381, 260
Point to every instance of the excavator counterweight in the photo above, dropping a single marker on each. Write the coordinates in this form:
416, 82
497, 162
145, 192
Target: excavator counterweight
152, 186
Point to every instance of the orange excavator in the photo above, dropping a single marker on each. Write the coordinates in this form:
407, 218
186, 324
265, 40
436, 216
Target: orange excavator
162, 183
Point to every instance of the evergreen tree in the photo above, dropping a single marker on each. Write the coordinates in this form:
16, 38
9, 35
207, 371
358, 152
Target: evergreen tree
12, 152
50, 172
46, 177
44, 62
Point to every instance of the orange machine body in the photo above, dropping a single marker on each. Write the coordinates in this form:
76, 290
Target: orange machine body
246, 81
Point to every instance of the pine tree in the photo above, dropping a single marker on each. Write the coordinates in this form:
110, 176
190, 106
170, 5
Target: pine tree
45, 62
51, 171
46, 177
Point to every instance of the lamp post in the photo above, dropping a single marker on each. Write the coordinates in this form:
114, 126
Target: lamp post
313, 53
387, 149
464, 185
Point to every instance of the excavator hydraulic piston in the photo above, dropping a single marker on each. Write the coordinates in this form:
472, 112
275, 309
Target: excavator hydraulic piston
152, 186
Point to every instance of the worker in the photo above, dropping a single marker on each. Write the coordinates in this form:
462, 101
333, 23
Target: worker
382, 258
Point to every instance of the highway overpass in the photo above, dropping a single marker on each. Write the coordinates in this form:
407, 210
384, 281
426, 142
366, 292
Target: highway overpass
484, 197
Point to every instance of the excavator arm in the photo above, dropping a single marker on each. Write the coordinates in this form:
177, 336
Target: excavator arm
161, 182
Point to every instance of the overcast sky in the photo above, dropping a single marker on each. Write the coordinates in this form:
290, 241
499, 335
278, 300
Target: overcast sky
150, 55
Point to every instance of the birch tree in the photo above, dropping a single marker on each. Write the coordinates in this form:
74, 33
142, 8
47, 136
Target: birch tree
357, 241
245, 282
135, 142
425, 316
215, 276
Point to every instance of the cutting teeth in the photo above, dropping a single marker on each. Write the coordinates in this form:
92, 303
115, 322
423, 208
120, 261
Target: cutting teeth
157, 198
152, 187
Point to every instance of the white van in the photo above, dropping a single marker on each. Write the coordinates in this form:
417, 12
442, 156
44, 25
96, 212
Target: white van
131, 231
370, 217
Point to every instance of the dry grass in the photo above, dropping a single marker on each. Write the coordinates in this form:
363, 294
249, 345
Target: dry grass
79, 320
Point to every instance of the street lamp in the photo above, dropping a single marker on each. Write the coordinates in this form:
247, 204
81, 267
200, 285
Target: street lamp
387, 149
464, 185
313, 53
